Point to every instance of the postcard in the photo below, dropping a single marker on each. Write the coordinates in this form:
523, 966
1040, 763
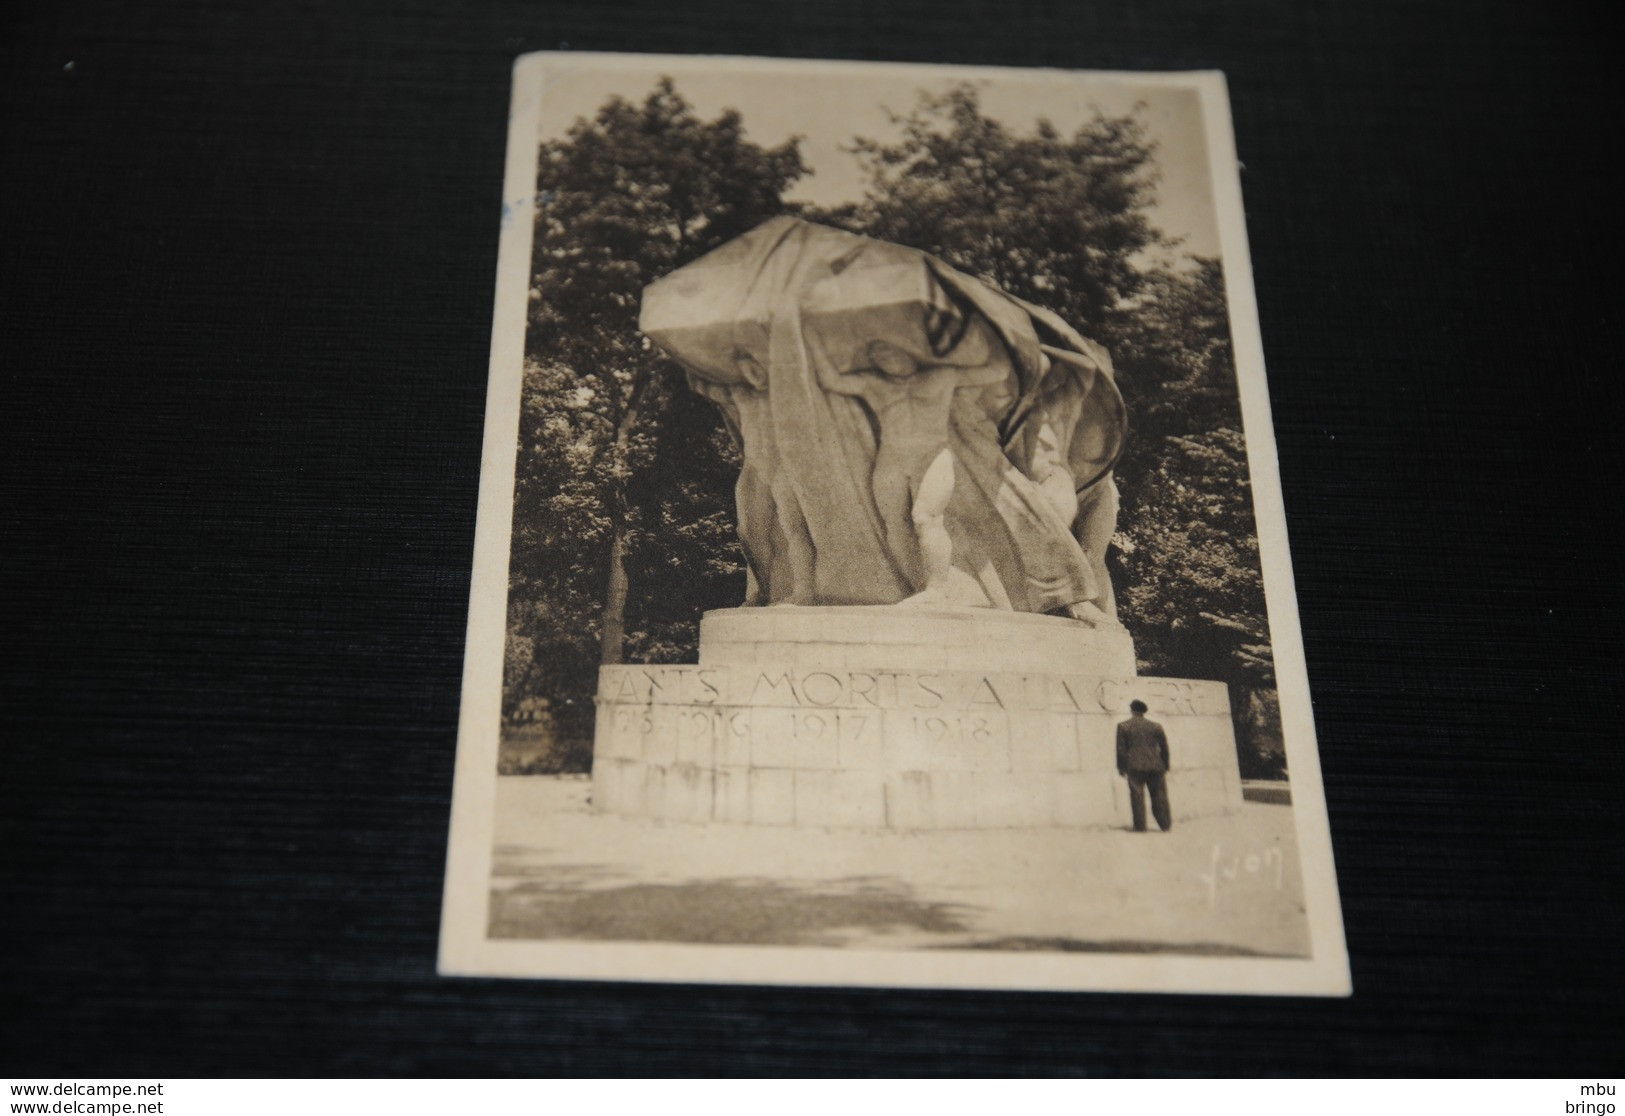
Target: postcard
881, 574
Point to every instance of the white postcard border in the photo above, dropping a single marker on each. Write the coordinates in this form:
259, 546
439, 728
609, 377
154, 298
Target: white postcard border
464, 947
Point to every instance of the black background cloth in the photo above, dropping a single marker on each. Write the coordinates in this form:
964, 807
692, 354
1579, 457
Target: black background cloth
249, 253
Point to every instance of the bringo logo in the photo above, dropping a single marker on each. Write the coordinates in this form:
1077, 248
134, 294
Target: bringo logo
1592, 1108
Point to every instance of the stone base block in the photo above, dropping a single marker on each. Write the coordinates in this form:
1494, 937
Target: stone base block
818, 742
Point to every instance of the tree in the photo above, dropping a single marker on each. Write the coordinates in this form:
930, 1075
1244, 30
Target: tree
1186, 553
625, 197
1058, 221
1188, 557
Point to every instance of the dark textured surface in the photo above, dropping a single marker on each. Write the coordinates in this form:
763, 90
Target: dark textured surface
248, 256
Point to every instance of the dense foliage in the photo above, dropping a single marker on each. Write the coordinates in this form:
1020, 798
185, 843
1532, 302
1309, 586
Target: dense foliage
605, 492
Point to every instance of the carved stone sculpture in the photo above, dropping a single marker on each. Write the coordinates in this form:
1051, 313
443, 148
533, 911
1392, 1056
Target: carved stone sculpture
928, 475
910, 435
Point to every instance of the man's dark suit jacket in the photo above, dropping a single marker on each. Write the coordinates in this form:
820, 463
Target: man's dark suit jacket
1141, 746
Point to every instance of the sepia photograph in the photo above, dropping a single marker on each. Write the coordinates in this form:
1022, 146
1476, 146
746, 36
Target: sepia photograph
881, 576
576, 542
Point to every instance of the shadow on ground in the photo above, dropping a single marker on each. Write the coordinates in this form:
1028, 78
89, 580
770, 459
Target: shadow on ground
722, 912
1074, 945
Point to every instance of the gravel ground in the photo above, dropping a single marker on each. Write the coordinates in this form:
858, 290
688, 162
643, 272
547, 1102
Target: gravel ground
1218, 887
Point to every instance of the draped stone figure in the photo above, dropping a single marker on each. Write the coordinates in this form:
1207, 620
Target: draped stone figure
925, 503
911, 435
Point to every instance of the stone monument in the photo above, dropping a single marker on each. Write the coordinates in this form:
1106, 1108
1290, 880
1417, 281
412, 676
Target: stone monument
929, 636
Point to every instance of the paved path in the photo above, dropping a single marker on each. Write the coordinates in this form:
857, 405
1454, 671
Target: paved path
1219, 886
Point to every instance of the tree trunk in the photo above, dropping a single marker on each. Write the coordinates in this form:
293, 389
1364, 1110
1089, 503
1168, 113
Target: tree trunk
612, 640
612, 636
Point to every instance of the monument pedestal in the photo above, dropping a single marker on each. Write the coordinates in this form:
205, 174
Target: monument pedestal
899, 718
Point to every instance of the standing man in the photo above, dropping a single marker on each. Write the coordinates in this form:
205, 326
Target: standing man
1142, 756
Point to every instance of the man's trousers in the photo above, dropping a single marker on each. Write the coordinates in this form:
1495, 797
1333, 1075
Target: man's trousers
1157, 782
